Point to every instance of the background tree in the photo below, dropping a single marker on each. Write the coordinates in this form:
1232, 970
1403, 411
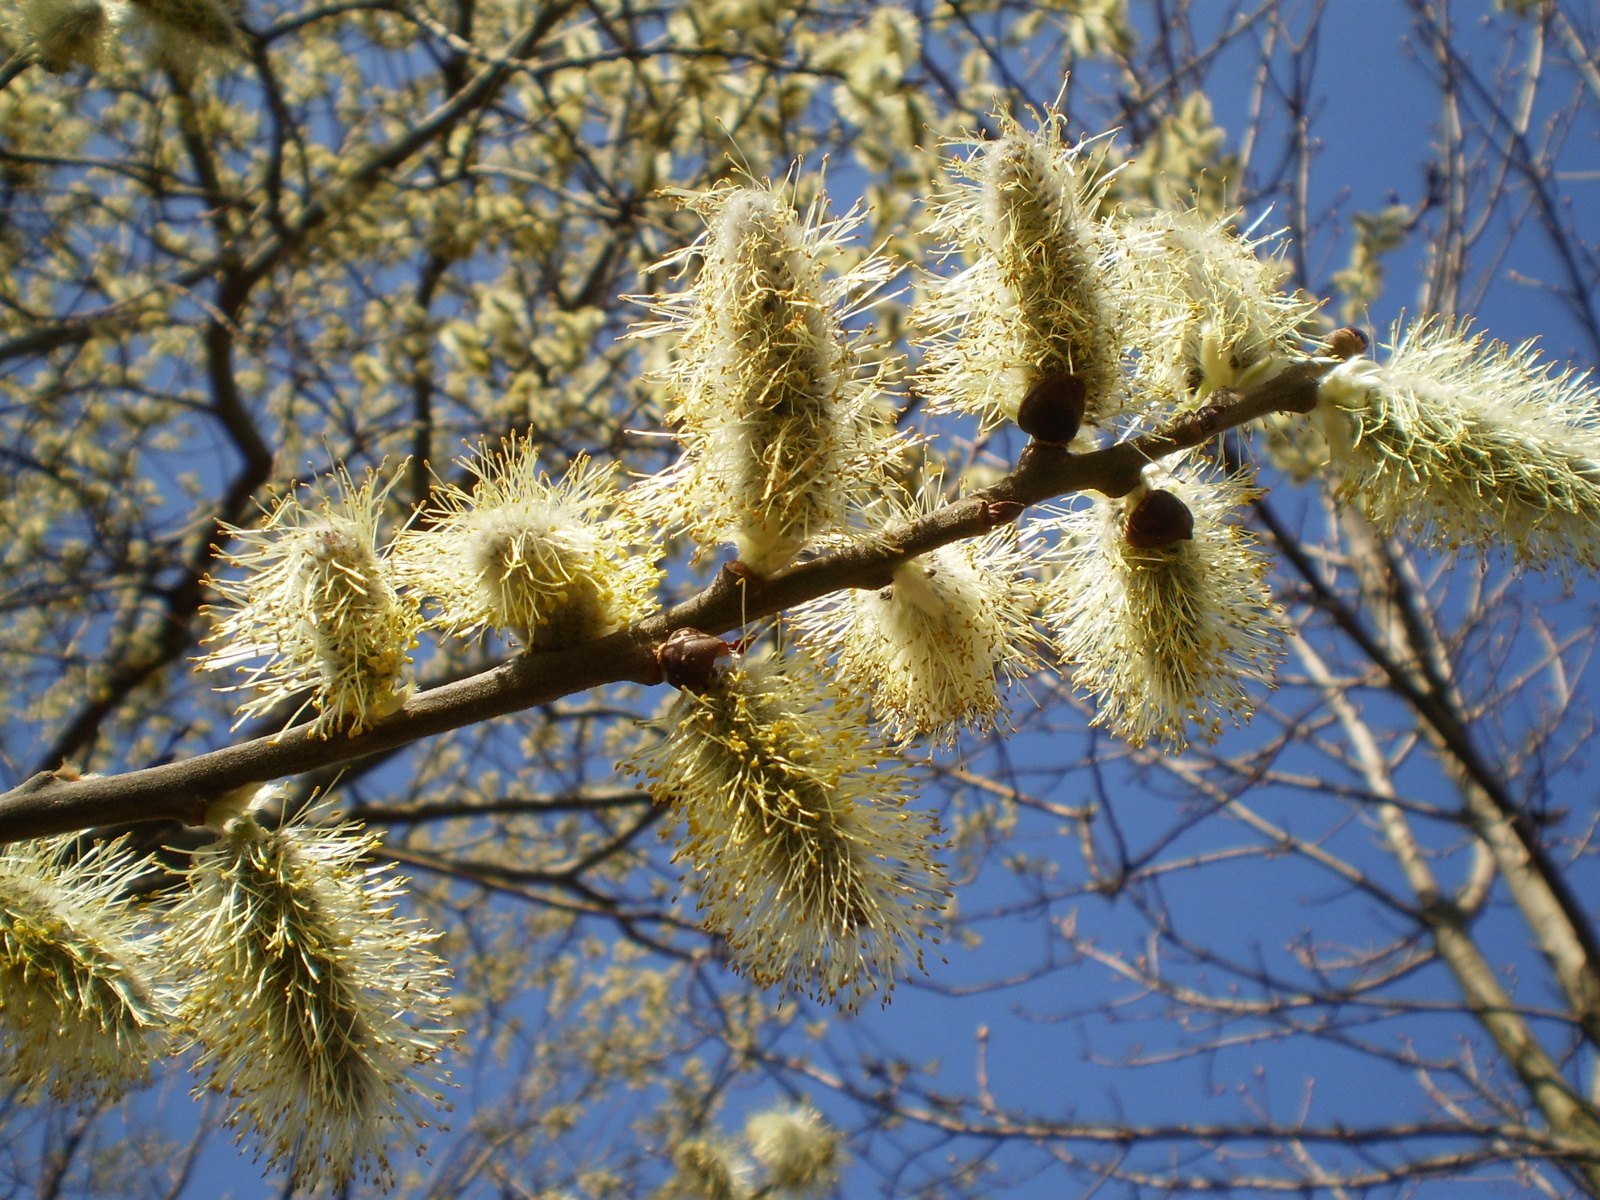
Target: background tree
241, 249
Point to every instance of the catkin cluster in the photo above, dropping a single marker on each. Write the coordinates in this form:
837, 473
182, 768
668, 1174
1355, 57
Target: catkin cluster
324, 615
317, 1009
796, 1151
311, 1004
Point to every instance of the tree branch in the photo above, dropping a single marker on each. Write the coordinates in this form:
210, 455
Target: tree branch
47, 804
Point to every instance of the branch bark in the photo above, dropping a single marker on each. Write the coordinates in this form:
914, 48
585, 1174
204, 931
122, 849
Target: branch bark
47, 803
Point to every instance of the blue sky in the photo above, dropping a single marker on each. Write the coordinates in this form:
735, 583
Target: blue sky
1373, 130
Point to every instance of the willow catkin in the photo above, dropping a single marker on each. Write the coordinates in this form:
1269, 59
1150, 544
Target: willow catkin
1046, 291
315, 613
1168, 641
317, 1009
1458, 441
936, 646
83, 1008
779, 433
551, 562
801, 849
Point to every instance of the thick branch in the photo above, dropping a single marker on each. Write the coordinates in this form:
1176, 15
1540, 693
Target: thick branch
47, 804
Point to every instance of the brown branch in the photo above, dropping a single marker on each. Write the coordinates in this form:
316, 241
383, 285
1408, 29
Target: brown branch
1518, 1139
47, 803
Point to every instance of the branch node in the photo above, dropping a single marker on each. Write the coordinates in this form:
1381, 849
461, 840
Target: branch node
1001, 512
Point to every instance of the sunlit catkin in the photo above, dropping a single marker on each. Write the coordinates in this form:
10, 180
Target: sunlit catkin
547, 562
1458, 441
803, 855
1231, 326
708, 1168
778, 432
1166, 640
317, 605
799, 1150
81, 1006
936, 646
315, 1006
1045, 290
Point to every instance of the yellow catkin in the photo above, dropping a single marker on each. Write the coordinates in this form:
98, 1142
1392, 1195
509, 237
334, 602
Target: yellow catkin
552, 564
1458, 441
316, 1008
316, 612
803, 854
1168, 642
779, 433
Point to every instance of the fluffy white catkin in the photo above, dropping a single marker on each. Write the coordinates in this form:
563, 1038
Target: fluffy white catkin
798, 1149
1046, 290
317, 604
82, 1006
317, 1009
551, 563
62, 34
935, 647
1230, 324
1167, 641
779, 434
804, 856
1460, 441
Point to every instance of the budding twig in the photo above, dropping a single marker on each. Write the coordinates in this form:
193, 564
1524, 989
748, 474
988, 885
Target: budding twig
46, 804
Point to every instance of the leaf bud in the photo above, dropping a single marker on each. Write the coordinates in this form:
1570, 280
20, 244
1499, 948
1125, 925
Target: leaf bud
691, 660
1052, 410
1158, 521
1001, 512
1346, 343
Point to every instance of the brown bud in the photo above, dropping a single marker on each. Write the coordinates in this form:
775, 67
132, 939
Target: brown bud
1000, 512
1206, 420
1052, 409
1158, 521
690, 660
1346, 343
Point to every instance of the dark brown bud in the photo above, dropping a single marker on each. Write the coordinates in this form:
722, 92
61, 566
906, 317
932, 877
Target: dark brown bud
1158, 521
1000, 512
690, 660
1052, 409
1206, 420
1346, 343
